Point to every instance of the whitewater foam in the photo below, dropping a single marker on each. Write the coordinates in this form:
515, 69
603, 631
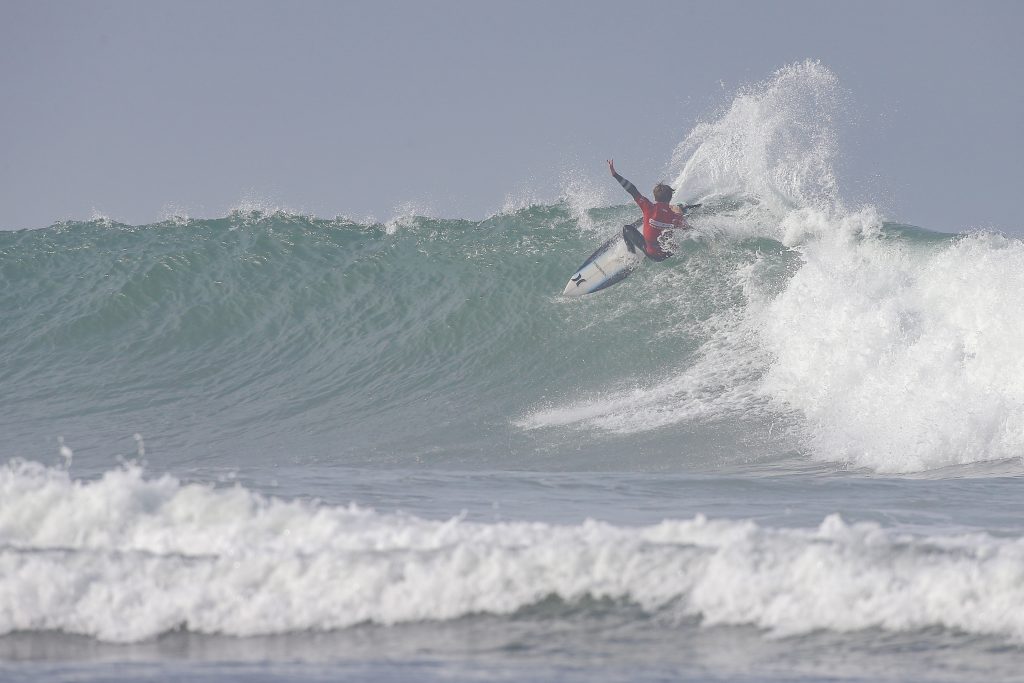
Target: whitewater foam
125, 558
904, 357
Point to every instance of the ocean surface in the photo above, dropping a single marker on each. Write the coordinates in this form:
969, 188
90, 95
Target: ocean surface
274, 446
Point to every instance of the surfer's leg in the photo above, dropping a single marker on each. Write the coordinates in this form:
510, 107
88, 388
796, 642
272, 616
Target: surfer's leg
634, 240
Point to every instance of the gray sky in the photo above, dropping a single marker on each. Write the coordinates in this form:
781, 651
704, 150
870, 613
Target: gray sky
135, 109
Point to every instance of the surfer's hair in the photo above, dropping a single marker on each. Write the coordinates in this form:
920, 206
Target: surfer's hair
662, 192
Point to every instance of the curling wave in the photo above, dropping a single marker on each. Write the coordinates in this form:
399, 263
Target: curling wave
787, 323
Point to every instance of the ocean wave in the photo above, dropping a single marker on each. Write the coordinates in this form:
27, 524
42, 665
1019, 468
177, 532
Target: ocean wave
786, 323
864, 342
125, 558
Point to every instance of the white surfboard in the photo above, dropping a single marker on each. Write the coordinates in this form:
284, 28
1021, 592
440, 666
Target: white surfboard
611, 263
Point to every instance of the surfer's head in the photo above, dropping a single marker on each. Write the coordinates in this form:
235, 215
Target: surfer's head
662, 192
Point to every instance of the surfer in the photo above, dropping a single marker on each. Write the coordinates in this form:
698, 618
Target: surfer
659, 218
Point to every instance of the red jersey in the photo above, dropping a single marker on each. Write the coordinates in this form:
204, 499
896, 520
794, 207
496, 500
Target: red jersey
658, 217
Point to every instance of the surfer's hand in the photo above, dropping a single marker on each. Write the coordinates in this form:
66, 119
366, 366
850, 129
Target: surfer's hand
611, 165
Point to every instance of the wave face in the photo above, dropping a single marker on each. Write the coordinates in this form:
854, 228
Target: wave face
787, 325
124, 558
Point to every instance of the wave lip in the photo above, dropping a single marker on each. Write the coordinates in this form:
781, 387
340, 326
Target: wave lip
125, 558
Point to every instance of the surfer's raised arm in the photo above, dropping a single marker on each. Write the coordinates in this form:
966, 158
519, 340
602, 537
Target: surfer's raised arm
629, 187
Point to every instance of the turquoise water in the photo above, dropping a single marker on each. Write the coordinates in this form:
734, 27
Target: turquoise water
325, 341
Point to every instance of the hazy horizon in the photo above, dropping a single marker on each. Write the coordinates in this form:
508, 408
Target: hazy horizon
456, 109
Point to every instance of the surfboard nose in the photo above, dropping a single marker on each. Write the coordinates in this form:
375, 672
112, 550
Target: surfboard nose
573, 287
